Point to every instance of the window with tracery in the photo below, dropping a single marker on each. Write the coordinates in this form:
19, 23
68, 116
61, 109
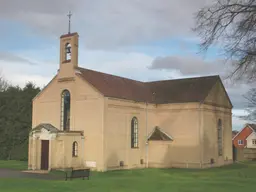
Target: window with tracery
75, 149
134, 132
65, 110
220, 142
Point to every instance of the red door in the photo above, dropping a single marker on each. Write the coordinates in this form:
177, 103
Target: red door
45, 154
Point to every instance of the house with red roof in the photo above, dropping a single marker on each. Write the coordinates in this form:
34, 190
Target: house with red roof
246, 137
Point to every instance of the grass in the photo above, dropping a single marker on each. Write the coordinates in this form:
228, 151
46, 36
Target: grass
12, 164
230, 178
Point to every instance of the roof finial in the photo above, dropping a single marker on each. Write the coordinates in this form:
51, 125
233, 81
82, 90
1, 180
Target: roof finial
69, 17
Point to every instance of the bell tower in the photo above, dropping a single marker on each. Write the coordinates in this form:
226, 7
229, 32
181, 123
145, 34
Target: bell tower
68, 53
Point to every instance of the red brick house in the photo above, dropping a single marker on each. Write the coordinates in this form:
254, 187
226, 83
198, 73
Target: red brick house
239, 140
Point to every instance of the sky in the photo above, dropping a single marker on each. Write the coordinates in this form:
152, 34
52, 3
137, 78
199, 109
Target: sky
145, 40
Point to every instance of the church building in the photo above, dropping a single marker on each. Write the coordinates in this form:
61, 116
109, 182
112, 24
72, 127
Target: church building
84, 118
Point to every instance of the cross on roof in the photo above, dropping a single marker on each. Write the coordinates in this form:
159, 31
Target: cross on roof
69, 18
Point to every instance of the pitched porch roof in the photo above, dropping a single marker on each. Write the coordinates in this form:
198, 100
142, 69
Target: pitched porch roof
158, 135
49, 127
52, 129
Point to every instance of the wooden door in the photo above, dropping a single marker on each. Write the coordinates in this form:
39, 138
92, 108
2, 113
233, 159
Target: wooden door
45, 154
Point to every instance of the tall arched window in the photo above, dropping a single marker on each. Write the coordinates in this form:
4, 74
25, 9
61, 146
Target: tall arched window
75, 149
134, 132
68, 51
219, 137
65, 110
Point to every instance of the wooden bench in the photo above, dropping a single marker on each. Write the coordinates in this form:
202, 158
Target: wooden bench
77, 173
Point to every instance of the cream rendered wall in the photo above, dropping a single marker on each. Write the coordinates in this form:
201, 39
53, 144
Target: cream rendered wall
61, 149
159, 154
218, 97
86, 113
38, 146
178, 120
249, 140
211, 115
90, 119
117, 131
181, 122
217, 106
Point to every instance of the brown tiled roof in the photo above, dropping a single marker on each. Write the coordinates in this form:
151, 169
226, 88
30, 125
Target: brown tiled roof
159, 92
117, 87
253, 126
182, 90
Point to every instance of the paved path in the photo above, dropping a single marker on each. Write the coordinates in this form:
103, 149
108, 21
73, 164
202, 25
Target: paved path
9, 173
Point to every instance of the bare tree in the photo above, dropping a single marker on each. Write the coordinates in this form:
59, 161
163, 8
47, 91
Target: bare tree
250, 96
3, 83
231, 26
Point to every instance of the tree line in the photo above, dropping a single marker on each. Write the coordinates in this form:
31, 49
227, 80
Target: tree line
15, 119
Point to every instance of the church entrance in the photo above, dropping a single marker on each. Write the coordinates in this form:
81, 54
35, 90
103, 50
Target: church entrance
45, 154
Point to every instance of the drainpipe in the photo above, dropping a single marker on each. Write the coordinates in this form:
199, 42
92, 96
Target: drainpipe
199, 129
146, 135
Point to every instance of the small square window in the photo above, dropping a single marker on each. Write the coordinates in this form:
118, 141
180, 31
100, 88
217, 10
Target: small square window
254, 141
240, 142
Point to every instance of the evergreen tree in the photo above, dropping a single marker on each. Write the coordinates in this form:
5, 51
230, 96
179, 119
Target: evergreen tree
16, 120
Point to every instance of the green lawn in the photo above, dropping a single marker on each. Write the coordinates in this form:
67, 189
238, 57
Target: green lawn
230, 178
18, 165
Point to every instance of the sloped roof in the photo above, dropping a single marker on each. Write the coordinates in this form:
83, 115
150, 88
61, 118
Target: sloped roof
47, 126
158, 135
158, 92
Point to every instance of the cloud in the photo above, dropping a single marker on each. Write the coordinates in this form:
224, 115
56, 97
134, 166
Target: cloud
10, 57
106, 24
131, 65
237, 122
189, 65
105, 27
236, 92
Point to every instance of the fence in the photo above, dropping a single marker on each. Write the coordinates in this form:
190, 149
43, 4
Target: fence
244, 154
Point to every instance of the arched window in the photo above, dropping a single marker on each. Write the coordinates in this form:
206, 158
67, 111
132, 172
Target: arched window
134, 132
219, 137
68, 51
75, 149
65, 110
